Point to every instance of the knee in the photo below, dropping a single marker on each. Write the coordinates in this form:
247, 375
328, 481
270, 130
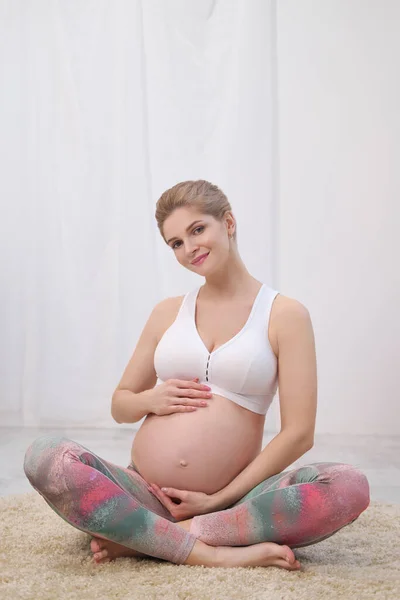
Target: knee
352, 487
40, 456
349, 485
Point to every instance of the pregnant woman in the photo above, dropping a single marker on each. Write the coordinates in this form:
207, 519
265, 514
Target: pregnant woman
199, 489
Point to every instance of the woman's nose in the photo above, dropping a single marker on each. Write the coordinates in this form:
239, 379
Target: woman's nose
190, 249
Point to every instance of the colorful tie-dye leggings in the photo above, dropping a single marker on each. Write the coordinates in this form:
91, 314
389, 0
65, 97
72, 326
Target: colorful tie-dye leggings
298, 507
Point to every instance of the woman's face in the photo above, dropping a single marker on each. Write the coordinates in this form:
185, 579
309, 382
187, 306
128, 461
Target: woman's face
190, 234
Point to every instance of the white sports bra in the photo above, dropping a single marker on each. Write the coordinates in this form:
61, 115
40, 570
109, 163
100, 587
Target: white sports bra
244, 369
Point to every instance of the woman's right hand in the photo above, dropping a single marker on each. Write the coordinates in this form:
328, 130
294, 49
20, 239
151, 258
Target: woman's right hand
178, 395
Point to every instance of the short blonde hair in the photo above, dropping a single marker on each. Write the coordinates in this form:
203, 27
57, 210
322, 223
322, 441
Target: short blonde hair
202, 195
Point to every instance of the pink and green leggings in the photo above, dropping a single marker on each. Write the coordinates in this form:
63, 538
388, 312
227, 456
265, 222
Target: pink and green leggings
298, 507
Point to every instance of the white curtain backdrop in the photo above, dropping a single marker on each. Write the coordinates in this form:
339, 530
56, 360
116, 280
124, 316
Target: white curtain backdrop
104, 104
291, 107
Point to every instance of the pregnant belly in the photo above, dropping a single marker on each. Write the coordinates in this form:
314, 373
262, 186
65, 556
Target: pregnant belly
203, 450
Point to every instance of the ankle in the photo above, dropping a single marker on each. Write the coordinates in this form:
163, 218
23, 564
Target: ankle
203, 554
184, 524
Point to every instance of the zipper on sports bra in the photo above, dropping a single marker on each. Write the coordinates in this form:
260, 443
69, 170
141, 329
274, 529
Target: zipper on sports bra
208, 361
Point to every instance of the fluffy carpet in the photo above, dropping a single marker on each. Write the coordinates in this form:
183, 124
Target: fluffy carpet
43, 557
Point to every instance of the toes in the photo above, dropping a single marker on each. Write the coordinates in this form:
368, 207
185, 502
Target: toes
288, 554
290, 559
101, 561
284, 565
94, 545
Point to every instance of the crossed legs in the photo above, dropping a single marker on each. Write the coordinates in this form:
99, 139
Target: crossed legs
297, 508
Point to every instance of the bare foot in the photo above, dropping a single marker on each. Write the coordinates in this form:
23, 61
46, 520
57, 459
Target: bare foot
106, 551
266, 554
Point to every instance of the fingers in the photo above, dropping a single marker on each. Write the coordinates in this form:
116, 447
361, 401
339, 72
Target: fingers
185, 393
187, 404
197, 389
177, 408
191, 401
164, 499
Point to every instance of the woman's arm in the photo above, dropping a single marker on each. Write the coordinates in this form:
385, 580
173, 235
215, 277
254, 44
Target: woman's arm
128, 407
131, 401
297, 371
281, 452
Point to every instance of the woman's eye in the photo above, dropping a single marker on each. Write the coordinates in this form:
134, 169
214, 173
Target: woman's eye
174, 245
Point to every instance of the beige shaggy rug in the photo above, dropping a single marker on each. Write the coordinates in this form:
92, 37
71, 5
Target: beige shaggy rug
43, 557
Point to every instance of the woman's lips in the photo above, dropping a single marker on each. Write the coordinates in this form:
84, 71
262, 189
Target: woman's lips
201, 260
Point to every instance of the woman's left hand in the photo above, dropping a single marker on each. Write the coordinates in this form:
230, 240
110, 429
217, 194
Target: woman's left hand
192, 503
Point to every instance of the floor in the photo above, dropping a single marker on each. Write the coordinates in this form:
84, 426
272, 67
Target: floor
377, 457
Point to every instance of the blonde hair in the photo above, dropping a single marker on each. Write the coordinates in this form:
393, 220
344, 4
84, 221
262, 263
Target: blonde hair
202, 195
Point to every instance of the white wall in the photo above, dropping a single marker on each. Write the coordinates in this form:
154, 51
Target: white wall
291, 106
338, 199
108, 104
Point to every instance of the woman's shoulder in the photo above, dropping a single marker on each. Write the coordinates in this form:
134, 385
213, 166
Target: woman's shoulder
285, 305
286, 315
168, 307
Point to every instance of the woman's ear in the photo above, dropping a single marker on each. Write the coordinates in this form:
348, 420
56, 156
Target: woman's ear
230, 224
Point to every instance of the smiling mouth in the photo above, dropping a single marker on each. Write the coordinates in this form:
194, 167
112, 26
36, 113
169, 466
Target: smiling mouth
200, 259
